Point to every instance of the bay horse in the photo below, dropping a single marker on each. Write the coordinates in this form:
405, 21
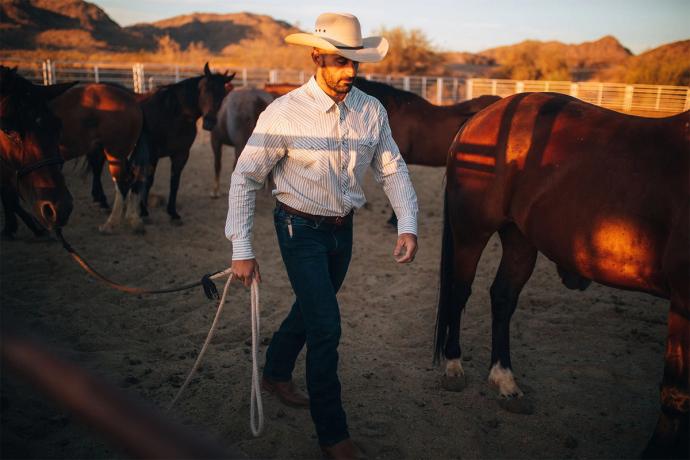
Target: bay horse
29, 155
604, 195
423, 131
170, 116
103, 122
237, 118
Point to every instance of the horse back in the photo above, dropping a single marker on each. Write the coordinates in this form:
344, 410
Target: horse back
98, 115
241, 109
597, 191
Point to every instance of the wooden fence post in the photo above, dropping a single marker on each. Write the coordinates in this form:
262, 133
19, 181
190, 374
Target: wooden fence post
439, 91
628, 98
470, 88
687, 101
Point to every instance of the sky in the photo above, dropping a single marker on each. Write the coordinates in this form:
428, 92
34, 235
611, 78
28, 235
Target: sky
457, 25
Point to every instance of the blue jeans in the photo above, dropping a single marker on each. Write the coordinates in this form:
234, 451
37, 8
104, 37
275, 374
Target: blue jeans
316, 256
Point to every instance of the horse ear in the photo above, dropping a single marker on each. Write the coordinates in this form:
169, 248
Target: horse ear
229, 79
207, 71
52, 91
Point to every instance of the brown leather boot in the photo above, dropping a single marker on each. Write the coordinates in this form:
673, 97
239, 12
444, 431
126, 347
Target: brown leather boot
343, 450
287, 392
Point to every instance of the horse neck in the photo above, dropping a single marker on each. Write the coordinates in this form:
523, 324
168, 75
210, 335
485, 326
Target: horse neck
186, 92
431, 132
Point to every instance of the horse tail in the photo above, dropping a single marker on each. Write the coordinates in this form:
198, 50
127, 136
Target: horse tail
141, 158
445, 290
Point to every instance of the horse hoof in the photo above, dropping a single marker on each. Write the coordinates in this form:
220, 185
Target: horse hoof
454, 383
516, 405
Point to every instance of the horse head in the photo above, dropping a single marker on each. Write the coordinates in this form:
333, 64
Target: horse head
29, 135
213, 87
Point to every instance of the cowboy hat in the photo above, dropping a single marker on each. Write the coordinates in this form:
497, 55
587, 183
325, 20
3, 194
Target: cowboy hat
341, 33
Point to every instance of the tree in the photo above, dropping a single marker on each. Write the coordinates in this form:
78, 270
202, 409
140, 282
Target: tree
410, 52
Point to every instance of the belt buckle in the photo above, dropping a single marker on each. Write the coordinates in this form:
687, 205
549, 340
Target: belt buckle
339, 220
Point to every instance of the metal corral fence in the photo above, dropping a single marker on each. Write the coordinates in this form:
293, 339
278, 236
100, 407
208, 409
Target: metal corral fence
648, 100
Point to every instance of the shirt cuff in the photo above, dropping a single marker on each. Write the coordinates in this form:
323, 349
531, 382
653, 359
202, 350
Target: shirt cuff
407, 224
242, 250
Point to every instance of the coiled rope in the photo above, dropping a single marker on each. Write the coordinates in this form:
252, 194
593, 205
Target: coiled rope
256, 411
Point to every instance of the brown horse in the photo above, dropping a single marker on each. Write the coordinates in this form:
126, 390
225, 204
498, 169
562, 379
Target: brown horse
237, 118
604, 195
104, 122
423, 131
31, 162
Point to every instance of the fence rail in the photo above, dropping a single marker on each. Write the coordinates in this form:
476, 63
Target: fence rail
648, 100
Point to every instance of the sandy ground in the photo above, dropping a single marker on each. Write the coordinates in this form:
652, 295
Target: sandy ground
589, 362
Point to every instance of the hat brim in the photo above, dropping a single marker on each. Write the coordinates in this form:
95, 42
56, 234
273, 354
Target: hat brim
374, 49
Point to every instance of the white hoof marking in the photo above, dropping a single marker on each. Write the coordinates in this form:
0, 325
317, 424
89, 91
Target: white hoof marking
504, 380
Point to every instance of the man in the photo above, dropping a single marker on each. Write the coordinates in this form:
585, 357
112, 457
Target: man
318, 142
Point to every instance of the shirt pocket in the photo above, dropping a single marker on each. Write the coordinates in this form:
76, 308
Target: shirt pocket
366, 146
309, 159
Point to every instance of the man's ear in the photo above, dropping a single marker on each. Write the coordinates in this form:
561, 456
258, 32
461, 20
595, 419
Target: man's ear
315, 56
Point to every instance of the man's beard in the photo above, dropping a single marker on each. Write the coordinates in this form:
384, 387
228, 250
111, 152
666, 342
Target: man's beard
338, 86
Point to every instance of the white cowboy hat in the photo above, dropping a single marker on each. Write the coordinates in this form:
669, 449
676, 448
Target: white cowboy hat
341, 33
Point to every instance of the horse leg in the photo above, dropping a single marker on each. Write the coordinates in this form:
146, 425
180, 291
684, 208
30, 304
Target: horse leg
96, 160
672, 432
217, 147
461, 253
118, 172
177, 163
517, 264
146, 188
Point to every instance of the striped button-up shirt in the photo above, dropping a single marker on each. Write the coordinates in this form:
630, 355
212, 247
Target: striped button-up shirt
318, 152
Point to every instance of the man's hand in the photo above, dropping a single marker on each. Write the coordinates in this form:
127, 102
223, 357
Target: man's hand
245, 271
405, 249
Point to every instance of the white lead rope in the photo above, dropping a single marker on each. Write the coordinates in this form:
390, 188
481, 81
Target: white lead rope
256, 407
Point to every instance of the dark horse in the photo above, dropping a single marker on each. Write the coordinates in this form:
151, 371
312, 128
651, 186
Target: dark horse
104, 122
423, 131
604, 195
31, 162
170, 116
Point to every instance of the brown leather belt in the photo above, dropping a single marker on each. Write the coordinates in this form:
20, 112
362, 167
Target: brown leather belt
332, 220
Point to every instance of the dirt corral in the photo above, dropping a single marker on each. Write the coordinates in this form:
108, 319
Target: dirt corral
590, 362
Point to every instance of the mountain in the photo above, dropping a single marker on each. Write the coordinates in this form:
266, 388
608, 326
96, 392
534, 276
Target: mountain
554, 60
667, 63
60, 24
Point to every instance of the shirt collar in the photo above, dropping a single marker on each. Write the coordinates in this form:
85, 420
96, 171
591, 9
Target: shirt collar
324, 101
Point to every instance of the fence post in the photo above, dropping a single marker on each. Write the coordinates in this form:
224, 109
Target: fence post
455, 90
177, 73
519, 86
573, 89
244, 76
628, 98
600, 96
96, 75
470, 88
493, 87
423, 88
273, 76
406, 83
687, 101
439, 91
138, 78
